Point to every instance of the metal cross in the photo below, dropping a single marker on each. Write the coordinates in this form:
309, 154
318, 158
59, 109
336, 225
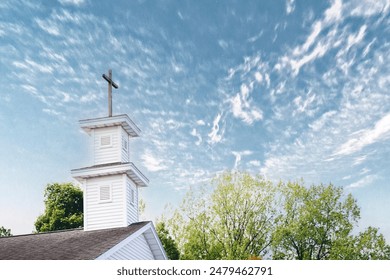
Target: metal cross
110, 85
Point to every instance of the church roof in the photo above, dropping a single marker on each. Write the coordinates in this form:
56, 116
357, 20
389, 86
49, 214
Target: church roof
75, 244
124, 120
112, 169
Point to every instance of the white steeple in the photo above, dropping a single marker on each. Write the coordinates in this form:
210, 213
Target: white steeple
111, 184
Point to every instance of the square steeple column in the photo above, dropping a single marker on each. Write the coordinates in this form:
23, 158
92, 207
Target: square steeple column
111, 183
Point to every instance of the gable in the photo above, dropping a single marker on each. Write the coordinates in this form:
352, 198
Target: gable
141, 245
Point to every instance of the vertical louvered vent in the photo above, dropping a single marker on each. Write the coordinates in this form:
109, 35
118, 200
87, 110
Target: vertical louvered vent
132, 197
105, 193
124, 144
105, 141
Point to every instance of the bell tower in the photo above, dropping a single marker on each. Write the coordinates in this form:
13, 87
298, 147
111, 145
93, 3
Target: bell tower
111, 183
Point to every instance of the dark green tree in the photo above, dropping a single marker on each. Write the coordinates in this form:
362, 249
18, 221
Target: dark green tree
167, 241
5, 232
63, 208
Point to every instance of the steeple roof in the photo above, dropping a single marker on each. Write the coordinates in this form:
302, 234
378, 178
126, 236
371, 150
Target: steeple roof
124, 120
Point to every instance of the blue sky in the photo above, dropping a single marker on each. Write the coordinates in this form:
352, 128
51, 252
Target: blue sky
288, 89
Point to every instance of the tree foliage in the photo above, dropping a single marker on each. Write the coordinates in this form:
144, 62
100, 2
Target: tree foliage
167, 241
312, 220
5, 232
63, 208
233, 222
246, 217
316, 223
367, 245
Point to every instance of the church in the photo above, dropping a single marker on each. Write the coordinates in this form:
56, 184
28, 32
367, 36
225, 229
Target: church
112, 230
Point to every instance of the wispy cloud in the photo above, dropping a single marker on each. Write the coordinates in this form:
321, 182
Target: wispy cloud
365, 181
215, 135
72, 2
197, 135
290, 6
242, 107
152, 163
239, 156
363, 138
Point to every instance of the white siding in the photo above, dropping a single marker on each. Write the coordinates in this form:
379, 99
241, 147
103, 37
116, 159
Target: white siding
136, 249
106, 154
99, 215
124, 153
132, 209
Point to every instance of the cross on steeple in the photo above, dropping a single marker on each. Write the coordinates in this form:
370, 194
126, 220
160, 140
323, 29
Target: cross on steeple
111, 84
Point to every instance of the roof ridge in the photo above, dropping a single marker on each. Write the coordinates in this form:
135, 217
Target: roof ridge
46, 232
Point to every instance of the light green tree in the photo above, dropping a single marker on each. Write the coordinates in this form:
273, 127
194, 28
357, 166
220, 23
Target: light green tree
316, 223
367, 245
232, 221
5, 232
63, 208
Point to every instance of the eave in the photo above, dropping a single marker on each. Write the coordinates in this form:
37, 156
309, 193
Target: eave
111, 169
123, 120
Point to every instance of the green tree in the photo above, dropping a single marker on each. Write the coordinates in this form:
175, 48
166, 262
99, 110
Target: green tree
167, 241
5, 232
317, 223
63, 208
367, 245
234, 221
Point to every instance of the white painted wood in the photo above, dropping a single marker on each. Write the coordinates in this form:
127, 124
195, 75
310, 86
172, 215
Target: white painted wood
108, 214
143, 244
85, 208
132, 208
124, 146
122, 120
138, 249
106, 153
100, 171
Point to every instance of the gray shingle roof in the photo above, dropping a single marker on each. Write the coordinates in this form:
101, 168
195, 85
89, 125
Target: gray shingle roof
74, 244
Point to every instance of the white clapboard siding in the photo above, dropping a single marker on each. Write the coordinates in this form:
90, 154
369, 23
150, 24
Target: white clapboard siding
107, 153
98, 214
132, 209
125, 146
136, 249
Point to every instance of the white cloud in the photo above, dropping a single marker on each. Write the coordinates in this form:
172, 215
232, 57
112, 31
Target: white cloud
290, 6
255, 163
152, 163
213, 135
51, 112
239, 155
242, 108
258, 77
356, 38
318, 124
315, 46
317, 27
369, 179
72, 2
367, 8
303, 105
48, 27
223, 44
317, 52
88, 97
334, 12
200, 122
366, 137
197, 135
